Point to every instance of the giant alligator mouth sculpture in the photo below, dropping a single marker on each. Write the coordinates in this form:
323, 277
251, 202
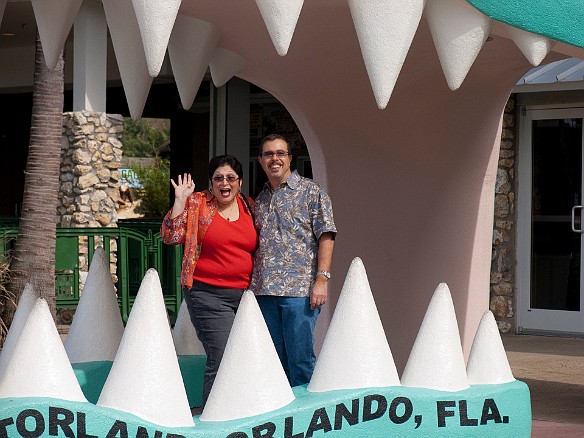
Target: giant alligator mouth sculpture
400, 104
128, 383
412, 184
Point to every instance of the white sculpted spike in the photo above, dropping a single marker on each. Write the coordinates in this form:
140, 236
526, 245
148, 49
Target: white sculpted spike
54, 19
280, 17
355, 352
190, 48
534, 47
127, 44
436, 360
39, 366
97, 327
224, 65
184, 335
155, 20
487, 362
250, 380
25, 305
385, 29
459, 32
145, 378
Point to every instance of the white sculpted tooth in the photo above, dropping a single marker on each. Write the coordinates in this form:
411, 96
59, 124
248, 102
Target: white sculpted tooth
459, 32
25, 305
250, 380
155, 20
436, 360
355, 352
385, 29
97, 327
224, 65
190, 48
487, 362
184, 335
145, 378
39, 366
125, 35
534, 47
280, 18
54, 20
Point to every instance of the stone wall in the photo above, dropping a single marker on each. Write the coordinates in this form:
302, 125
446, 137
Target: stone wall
503, 263
91, 156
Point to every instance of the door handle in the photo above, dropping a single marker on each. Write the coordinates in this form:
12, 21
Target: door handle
574, 208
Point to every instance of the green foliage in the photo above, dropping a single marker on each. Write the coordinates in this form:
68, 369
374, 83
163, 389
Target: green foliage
143, 137
154, 179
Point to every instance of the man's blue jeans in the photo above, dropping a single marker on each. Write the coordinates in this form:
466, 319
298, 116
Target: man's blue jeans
291, 324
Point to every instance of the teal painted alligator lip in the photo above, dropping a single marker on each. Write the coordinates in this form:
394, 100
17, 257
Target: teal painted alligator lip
500, 410
559, 20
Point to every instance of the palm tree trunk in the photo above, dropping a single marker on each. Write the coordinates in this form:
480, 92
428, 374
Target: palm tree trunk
33, 259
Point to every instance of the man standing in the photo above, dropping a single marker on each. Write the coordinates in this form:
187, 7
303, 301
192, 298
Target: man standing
294, 217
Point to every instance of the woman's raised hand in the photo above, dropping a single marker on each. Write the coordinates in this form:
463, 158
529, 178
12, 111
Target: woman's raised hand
184, 188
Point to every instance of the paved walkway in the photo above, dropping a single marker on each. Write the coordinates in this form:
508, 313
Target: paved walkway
553, 368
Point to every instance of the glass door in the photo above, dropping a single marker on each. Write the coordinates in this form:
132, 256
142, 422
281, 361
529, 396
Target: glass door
550, 221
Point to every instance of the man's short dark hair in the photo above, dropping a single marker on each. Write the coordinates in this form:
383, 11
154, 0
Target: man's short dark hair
272, 137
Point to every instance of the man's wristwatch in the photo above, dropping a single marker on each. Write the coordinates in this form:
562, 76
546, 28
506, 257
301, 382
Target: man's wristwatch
327, 274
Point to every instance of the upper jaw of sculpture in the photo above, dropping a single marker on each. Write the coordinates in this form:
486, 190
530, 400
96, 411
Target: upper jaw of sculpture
385, 31
233, 40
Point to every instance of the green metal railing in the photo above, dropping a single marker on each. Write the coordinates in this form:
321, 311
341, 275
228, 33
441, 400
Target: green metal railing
137, 251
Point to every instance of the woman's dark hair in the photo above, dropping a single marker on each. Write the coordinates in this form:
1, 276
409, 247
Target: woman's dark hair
225, 160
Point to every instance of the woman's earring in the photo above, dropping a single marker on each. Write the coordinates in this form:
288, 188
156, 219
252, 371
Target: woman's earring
211, 189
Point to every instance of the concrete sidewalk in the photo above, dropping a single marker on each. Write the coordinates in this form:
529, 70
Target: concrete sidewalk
553, 368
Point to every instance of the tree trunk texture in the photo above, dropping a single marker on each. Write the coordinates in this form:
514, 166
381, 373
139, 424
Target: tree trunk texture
33, 259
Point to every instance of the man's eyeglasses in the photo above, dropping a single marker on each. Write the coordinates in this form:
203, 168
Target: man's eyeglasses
279, 154
230, 178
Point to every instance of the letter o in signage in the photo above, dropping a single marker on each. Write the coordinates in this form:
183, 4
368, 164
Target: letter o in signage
409, 409
39, 423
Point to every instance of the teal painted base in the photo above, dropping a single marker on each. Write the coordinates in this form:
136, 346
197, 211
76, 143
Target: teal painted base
481, 411
558, 20
92, 376
192, 369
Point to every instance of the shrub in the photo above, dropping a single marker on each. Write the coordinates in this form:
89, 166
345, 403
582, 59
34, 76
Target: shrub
154, 194
142, 138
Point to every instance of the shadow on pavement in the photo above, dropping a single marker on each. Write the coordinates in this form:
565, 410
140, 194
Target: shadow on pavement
553, 368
